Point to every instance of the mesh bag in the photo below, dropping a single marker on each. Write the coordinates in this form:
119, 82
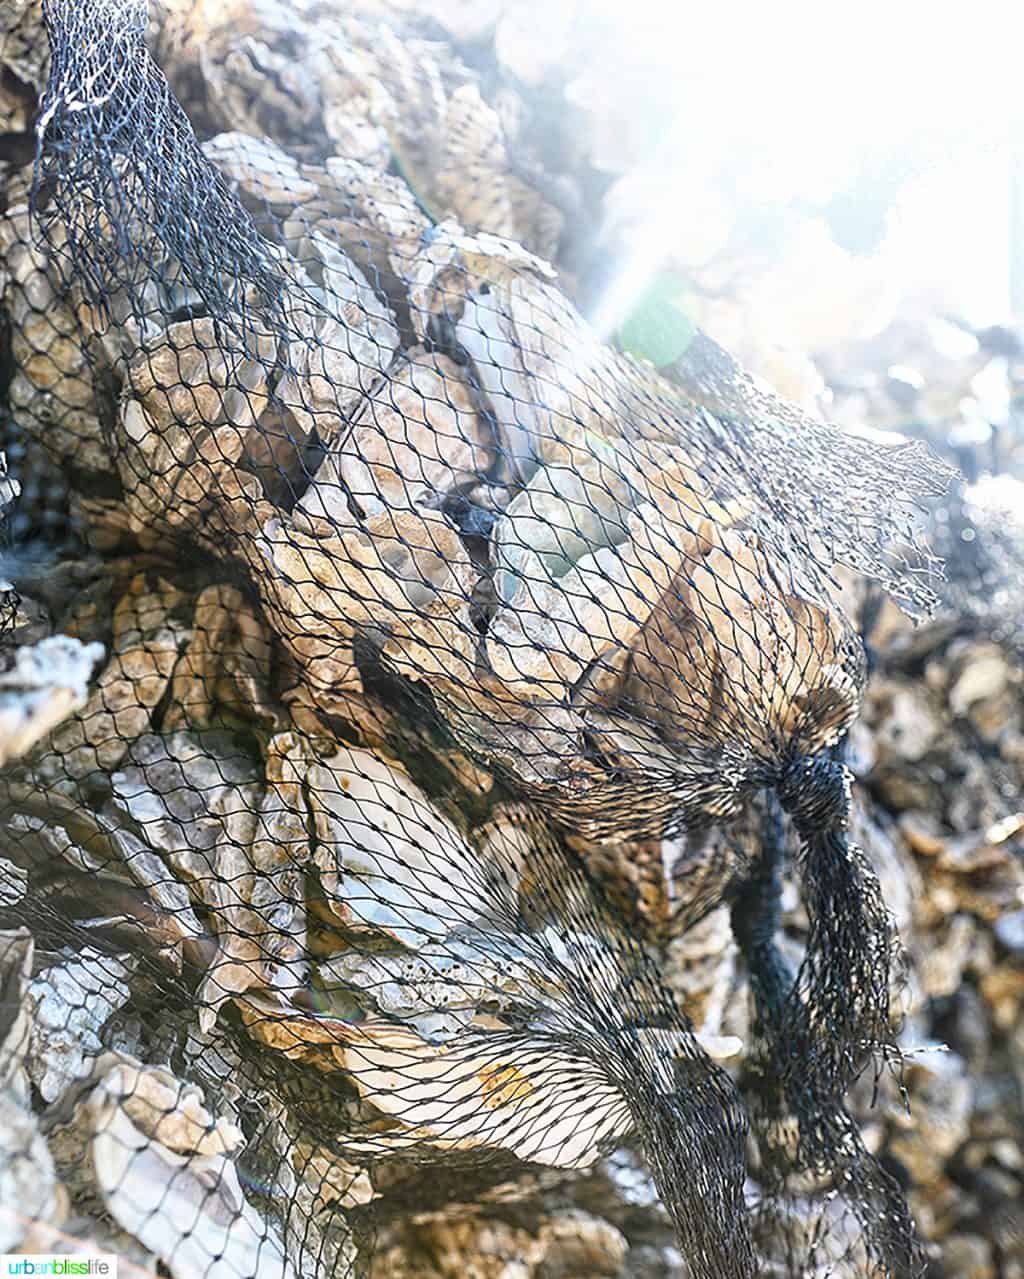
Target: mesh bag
389, 598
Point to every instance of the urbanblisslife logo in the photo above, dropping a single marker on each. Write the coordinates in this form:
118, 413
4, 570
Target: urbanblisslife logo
35, 1265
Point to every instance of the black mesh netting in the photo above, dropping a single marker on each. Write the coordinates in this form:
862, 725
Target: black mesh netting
391, 603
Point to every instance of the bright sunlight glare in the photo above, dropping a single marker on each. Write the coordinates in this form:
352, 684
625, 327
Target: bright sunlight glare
802, 108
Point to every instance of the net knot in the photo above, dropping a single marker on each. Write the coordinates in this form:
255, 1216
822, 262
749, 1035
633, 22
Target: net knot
815, 792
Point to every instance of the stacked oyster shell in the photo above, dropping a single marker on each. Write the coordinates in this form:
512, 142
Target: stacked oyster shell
455, 557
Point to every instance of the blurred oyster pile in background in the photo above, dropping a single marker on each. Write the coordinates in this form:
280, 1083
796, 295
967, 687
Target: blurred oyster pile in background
538, 124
